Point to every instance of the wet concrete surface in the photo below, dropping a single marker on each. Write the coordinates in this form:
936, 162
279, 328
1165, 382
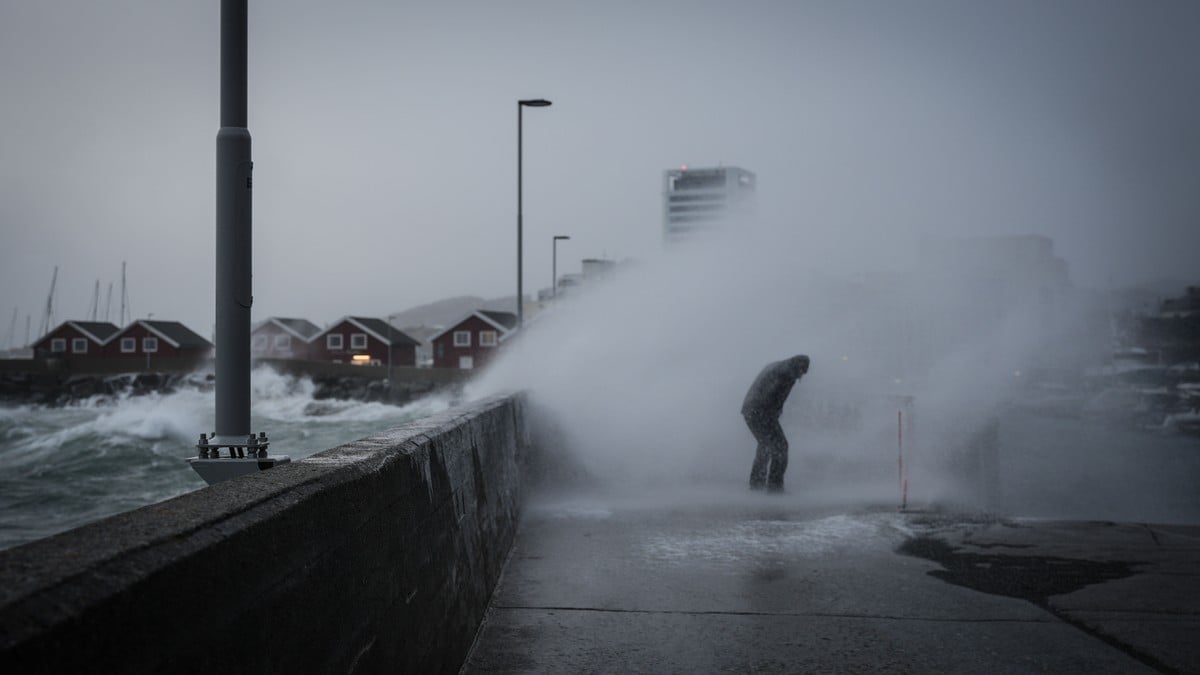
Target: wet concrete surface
757, 584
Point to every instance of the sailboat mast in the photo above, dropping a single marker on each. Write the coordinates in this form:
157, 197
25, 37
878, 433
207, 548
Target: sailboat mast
12, 326
48, 315
125, 311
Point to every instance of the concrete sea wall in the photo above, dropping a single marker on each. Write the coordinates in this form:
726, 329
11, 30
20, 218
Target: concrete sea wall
376, 556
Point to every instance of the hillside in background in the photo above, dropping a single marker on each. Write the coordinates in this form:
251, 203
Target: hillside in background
445, 312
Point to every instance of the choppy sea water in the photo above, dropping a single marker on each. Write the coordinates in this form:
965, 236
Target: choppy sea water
61, 468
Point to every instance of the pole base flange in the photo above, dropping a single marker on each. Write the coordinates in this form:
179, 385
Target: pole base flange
218, 470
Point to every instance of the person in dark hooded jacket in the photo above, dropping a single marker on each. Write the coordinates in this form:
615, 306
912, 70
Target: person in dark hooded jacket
762, 407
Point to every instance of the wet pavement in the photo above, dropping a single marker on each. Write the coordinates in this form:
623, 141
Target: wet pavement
754, 583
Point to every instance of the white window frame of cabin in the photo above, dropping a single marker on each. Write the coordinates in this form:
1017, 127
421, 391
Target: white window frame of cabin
79, 345
150, 345
283, 342
334, 341
487, 338
128, 345
58, 344
358, 341
462, 338
259, 343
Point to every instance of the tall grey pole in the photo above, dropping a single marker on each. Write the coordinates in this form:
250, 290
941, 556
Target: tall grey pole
535, 103
247, 452
520, 285
233, 233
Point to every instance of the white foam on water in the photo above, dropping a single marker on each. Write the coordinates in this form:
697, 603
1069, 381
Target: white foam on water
64, 466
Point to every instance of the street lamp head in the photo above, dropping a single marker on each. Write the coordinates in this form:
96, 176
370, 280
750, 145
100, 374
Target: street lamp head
560, 236
534, 102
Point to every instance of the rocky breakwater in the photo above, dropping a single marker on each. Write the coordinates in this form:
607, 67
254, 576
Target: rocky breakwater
38, 389
47, 390
369, 389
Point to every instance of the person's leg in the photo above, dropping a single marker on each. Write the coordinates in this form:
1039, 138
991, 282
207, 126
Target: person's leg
762, 454
778, 450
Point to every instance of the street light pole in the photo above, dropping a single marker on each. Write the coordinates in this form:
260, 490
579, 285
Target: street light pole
391, 348
533, 103
247, 452
554, 265
234, 258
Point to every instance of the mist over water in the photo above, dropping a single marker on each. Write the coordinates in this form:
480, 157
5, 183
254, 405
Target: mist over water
64, 467
914, 354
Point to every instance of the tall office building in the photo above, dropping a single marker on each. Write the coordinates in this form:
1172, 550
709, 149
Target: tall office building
701, 200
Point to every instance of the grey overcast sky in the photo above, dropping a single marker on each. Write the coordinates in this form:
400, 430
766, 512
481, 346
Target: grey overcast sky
385, 141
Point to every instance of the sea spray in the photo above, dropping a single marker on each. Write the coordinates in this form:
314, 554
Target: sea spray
645, 372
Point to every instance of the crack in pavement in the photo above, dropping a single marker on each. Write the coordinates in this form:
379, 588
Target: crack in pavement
825, 615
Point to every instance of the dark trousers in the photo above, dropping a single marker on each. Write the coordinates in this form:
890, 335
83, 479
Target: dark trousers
771, 457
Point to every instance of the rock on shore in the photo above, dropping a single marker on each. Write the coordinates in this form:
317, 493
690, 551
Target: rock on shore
35, 389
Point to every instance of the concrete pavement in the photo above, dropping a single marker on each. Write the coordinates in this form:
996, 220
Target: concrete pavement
754, 583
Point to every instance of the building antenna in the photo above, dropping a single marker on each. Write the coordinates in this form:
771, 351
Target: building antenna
48, 315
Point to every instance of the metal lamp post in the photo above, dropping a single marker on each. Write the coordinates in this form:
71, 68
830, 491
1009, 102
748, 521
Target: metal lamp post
532, 103
391, 348
554, 265
247, 452
233, 233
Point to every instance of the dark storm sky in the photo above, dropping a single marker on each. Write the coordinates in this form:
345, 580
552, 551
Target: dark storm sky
385, 141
